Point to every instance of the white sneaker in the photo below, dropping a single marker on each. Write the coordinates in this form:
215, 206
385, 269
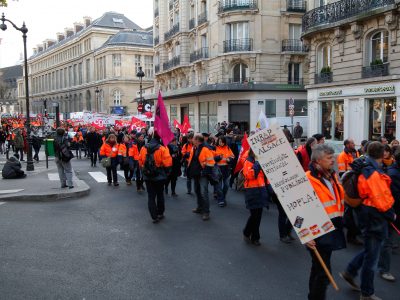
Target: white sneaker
388, 277
372, 297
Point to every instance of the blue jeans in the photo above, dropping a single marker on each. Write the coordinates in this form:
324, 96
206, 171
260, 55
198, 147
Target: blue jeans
386, 253
189, 184
374, 231
222, 189
201, 190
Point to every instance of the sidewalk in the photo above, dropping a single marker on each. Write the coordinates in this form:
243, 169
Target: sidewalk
40, 185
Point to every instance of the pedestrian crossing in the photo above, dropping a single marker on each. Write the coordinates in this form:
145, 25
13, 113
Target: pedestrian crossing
100, 177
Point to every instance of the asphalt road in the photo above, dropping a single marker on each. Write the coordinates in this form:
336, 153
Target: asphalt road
105, 246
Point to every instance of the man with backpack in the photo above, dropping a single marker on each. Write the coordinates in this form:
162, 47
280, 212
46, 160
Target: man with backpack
155, 162
374, 212
63, 156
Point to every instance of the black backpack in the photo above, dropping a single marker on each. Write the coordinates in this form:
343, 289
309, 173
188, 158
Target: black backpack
150, 169
350, 181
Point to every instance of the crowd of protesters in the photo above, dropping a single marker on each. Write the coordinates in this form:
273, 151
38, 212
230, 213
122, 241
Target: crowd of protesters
208, 161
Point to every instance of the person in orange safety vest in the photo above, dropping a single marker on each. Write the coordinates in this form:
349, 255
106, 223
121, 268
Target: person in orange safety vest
110, 149
186, 149
347, 156
223, 157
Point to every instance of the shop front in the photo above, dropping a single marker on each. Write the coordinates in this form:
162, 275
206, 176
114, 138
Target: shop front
360, 112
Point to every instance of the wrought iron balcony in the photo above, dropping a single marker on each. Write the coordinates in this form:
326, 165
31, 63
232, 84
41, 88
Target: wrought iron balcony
293, 46
176, 61
157, 68
174, 30
323, 77
192, 24
341, 10
202, 18
230, 5
156, 40
375, 70
156, 13
199, 54
298, 81
238, 45
241, 80
296, 5
171, 4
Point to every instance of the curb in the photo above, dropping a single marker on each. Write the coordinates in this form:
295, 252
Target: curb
85, 190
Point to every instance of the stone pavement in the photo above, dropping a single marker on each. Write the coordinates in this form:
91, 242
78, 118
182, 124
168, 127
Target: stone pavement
40, 185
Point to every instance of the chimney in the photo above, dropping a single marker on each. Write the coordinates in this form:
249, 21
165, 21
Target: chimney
78, 27
87, 21
35, 51
60, 36
44, 45
68, 32
40, 48
49, 42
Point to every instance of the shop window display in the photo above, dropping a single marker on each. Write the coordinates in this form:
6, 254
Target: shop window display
332, 125
382, 119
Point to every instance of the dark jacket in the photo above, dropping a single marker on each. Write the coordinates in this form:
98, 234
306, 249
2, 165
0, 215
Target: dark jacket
257, 197
12, 169
59, 141
297, 132
176, 160
19, 141
93, 140
394, 173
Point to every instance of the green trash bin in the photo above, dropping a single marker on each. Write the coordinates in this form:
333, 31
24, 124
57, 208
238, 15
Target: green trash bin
49, 147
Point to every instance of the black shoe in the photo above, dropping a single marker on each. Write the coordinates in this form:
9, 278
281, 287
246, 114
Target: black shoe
71, 187
63, 186
116, 184
109, 183
350, 280
196, 211
174, 195
256, 243
285, 240
247, 239
160, 217
205, 217
189, 193
155, 221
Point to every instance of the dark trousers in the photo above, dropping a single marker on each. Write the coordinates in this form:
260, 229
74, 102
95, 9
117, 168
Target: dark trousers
284, 225
172, 180
189, 184
128, 173
155, 194
318, 281
139, 179
93, 156
252, 229
36, 155
350, 222
20, 151
201, 190
112, 175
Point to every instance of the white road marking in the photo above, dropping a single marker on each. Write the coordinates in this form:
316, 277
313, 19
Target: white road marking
121, 173
53, 176
98, 176
10, 191
1, 203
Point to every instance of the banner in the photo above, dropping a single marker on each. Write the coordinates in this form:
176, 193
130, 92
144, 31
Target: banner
243, 150
279, 163
161, 122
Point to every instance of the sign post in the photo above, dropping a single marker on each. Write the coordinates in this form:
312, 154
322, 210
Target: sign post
291, 112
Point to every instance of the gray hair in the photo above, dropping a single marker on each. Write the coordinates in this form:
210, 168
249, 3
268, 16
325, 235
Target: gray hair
320, 151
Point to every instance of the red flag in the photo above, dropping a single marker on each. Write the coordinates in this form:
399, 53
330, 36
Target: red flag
185, 125
242, 156
161, 122
177, 125
136, 123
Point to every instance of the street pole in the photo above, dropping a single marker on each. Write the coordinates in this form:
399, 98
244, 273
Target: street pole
141, 74
24, 30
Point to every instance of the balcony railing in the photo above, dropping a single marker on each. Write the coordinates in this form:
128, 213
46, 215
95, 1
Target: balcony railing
298, 81
171, 4
156, 13
157, 68
156, 40
199, 54
229, 5
341, 10
202, 18
375, 71
238, 45
192, 24
176, 61
174, 30
296, 5
242, 80
323, 77
293, 46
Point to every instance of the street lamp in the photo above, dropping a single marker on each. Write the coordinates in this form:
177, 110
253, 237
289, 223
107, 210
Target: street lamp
24, 30
99, 107
140, 74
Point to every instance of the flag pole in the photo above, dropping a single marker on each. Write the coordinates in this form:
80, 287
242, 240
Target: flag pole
395, 228
327, 272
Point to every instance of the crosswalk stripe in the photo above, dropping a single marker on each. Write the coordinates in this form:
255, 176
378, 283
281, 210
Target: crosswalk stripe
10, 191
53, 176
121, 173
1, 203
98, 176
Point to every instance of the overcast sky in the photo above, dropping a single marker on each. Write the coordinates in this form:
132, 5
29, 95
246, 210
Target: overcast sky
44, 18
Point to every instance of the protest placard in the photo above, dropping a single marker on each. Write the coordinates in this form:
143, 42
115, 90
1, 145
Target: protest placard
279, 163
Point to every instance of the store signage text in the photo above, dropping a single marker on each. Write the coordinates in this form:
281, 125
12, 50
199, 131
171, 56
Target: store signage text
379, 90
330, 93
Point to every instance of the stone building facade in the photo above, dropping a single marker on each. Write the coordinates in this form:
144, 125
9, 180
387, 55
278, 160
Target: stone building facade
227, 60
91, 67
8, 89
354, 69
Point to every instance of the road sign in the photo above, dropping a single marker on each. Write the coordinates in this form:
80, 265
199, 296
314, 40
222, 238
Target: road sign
291, 101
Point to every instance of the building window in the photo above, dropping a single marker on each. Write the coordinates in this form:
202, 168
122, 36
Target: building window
270, 108
138, 59
88, 75
117, 98
191, 116
294, 31
324, 57
116, 58
300, 108
380, 47
240, 73
208, 116
148, 66
332, 125
294, 71
80, 73
382, 118
238, 30
173, 113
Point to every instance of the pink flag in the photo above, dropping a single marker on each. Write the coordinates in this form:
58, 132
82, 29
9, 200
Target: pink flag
161, 122
185, 125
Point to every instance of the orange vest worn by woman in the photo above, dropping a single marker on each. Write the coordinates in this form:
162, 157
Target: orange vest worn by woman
109, 151
225, 152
